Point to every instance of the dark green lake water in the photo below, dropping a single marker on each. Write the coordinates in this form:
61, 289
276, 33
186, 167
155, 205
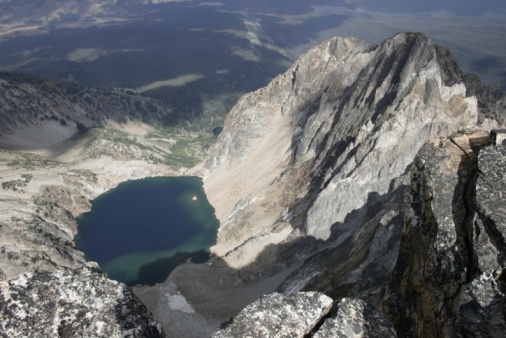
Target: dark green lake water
141, 230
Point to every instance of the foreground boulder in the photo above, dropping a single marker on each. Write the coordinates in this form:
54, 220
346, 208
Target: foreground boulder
79, 302
304, 313
276, 315
355, 318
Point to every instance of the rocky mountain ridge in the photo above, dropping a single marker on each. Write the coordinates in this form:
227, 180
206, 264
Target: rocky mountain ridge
309, 179
449, 275
309, 175
39, 113
346, 121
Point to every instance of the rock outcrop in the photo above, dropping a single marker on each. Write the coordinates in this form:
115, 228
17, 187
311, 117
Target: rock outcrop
309, 174
307, 313
313, 167
355, 318
449, 280
276, 315
79, 302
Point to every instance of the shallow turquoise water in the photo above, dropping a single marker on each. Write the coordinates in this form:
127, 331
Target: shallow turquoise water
141, 230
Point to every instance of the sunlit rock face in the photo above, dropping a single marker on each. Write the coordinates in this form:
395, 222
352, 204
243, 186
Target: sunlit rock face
79, 302
314, 167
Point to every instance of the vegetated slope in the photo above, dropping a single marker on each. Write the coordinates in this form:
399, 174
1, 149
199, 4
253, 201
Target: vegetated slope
37, 112
314, 166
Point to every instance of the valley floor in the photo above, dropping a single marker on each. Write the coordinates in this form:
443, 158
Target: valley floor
44, 190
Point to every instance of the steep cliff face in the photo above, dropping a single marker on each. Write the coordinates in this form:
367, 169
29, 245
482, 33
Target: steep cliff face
448, 280
314, 165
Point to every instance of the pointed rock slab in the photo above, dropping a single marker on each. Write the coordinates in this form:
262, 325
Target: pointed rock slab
277, 315
79, 302
356, 318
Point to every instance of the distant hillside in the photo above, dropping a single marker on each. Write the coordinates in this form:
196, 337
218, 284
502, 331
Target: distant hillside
52, 11
57, 110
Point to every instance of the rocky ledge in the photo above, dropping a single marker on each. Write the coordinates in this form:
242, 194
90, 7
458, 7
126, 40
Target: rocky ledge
79, 302
306, 314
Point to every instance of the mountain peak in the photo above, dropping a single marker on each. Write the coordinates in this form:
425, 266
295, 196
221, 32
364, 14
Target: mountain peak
323, 146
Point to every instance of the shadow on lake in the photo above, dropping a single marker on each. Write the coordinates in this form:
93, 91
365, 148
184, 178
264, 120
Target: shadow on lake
141, 230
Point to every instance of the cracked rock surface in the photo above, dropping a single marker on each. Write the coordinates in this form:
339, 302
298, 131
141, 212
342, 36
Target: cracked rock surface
482, 311
79, 302
277, 315
307, 314
355, 318
448, 278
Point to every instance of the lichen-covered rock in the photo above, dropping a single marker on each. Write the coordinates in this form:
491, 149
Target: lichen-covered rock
277, 315
79, 302
448, 279
482, 310
355, 318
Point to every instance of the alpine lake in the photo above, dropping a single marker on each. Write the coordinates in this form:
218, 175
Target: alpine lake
141, 230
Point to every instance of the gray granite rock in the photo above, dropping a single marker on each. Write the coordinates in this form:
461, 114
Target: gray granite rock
79, 302
482, 310
448, 280
277, 315
335, 135
434, 257
355, 318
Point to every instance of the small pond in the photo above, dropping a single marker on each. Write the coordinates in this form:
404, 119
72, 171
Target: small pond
141, 230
